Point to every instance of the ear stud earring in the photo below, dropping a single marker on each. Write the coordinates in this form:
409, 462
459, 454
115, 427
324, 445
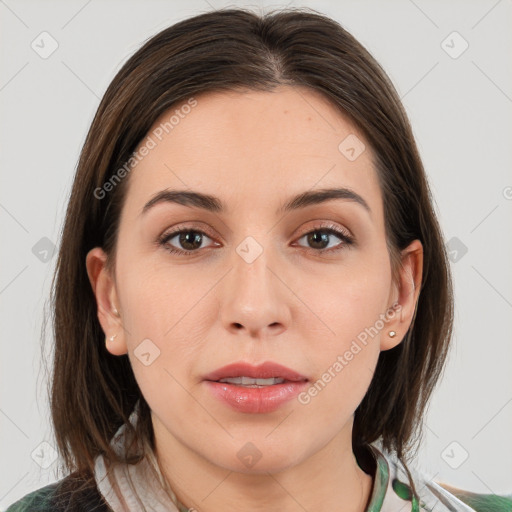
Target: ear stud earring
111, 337
115, 311
392, 334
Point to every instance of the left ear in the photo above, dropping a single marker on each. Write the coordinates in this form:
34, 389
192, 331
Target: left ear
406, 293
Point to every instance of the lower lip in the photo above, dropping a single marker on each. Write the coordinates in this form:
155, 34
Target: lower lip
256, 400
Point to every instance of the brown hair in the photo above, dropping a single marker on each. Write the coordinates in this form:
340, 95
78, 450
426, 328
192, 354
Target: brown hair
93, 392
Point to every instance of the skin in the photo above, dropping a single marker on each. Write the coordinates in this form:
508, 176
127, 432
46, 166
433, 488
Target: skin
254, 150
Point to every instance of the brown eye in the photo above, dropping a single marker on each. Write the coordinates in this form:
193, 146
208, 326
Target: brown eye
320, 238
188, 241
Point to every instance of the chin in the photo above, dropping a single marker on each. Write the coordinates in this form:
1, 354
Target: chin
257, 457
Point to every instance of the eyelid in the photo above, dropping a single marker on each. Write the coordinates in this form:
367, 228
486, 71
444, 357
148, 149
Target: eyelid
187, 226
328, 224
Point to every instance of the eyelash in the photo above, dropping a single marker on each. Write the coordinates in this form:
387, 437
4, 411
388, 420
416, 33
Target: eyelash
330, 229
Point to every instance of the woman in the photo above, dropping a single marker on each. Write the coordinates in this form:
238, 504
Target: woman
252, 299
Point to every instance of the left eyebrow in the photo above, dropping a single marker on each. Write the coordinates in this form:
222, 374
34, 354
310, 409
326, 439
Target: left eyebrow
312, 197
214, 204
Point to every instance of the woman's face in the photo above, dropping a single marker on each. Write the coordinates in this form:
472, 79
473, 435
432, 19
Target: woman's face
254, 282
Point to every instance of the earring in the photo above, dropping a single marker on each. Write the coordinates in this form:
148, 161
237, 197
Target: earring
392, 334
112, 337
115, 311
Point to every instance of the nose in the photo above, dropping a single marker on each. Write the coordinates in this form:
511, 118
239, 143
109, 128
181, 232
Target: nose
254, 297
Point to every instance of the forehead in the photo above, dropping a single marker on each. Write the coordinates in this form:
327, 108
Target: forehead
253, 148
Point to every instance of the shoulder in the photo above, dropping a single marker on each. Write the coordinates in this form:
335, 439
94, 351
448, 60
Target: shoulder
430, 495
436, 495
480, 502
67, 495
36, 501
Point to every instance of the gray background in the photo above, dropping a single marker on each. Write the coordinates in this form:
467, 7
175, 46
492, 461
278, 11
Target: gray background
460, 107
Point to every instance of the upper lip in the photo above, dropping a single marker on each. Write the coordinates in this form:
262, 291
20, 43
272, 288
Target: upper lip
266, 370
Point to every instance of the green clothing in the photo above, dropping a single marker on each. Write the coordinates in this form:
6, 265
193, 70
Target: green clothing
392, 489
391, 492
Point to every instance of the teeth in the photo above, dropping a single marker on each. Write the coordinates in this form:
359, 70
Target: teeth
250, 382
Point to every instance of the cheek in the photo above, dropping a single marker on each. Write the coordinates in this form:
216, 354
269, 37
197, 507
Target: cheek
344, 360
169, 314
350, 306
347, 298
156, 297
164, 335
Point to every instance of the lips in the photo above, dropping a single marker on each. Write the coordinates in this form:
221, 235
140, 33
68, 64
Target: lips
267, 370
255, 398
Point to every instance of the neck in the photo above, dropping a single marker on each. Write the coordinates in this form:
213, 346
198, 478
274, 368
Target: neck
328, 480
